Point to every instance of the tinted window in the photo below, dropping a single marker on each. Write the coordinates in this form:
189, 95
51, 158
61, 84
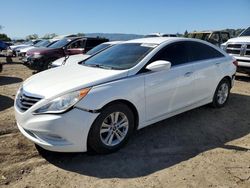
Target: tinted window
76, 44
61, 43
245, 32
224, 37
91, 43
215, 37
175, 53
199, 51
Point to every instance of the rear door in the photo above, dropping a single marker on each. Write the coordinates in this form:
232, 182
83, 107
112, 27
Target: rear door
206, 61
168, 91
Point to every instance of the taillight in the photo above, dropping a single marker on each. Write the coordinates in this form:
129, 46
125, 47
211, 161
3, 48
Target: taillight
235, 63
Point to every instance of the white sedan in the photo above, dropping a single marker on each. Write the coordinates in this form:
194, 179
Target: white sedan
99, 103
74, 59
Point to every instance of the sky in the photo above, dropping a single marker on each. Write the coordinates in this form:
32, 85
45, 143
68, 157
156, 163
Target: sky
21, 18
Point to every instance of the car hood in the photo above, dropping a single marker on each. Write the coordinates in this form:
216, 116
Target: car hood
18, 46
25, 49
239, 39
43, 51
60, 80
71, 60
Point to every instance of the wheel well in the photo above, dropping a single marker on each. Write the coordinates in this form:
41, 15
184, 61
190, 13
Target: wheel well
130, 105
228, 79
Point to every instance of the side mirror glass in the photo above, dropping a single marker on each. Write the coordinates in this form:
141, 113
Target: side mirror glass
159, 65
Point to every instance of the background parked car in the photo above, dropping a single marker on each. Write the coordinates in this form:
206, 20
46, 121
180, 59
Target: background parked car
214, 37
3, 45
42, 44
73, 59
13, 48
239, 47
41, 59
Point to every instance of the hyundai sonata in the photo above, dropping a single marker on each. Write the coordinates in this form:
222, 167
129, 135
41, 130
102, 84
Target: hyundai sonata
98, 103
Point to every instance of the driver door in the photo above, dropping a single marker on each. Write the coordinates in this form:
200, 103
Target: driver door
167, 91
76, 47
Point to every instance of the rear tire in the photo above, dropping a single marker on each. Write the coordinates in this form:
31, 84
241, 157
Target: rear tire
111, 129
221, 94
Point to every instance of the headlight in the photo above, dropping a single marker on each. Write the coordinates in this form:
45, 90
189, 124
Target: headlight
63, 103
37, 55
223, 47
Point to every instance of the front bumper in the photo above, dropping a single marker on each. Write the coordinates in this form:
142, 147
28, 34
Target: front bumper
33, 63
243, 64
67, 132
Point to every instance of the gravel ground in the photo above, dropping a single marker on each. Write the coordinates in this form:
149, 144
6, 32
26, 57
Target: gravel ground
204, 147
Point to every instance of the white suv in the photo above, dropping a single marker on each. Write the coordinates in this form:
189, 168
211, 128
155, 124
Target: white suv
239, 47
99, 103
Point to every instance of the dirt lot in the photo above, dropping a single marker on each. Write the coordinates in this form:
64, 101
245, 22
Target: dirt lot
204, 147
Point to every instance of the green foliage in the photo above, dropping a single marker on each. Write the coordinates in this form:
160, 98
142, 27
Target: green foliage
186, 33
80, 34
4, 37
31, 37
49, 36
234, 32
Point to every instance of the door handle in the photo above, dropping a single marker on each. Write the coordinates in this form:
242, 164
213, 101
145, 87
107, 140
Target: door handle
218, 63
187, 74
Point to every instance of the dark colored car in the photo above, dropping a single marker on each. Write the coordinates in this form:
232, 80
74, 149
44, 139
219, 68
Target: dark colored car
214, 37
3, 45
40, 59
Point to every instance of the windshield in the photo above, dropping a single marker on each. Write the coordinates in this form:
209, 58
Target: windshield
121, 56
245, 32
61, 43
42, 43
98, 48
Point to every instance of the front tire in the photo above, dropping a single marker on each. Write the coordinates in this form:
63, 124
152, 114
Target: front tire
111, 129
221, 94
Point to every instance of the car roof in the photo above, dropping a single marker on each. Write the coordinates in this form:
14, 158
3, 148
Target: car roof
112, 42
154, 40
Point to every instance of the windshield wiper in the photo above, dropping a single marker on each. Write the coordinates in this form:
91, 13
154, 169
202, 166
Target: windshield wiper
99, 66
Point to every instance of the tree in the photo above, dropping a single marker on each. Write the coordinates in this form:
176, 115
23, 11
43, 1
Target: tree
186, 33
31, 37
80, 34
4, 37
49, 35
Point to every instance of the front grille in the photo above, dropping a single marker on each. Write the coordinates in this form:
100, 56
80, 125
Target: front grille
238, 49
234, 45
231, 51
24, 102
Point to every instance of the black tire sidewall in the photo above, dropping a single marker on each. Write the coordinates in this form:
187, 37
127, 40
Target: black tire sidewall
94, 140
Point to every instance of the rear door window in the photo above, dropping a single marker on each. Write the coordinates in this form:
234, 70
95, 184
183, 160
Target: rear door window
198, 51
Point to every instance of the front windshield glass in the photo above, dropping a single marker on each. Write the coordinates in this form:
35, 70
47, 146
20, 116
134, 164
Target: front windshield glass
98, 48
42, 43
121, 56
245, 33
61, 43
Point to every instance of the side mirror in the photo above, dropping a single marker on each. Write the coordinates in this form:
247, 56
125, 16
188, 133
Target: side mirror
159, 65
